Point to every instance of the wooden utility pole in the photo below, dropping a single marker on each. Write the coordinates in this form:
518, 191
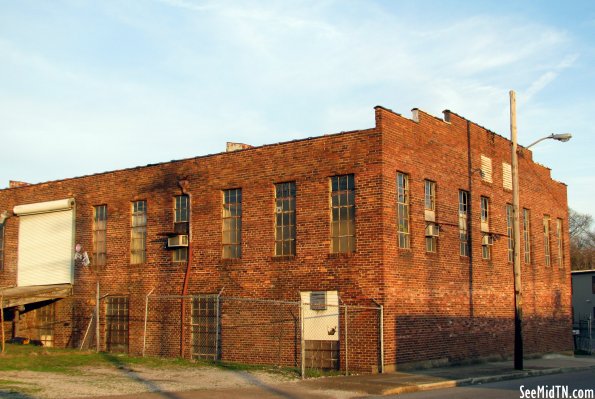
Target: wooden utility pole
518, 295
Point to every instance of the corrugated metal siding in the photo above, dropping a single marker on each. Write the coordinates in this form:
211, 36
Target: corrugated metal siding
45, 254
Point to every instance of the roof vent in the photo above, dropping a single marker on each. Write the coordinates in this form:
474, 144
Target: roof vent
236, 146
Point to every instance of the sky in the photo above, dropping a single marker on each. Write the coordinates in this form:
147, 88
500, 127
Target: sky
92, 86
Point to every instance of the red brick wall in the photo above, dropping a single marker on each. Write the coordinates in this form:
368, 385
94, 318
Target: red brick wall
437, 306
445, 307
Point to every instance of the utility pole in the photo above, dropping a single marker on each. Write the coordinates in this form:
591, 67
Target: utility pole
518, 295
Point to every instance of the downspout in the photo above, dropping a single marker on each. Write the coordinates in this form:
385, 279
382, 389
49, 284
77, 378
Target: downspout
184, 187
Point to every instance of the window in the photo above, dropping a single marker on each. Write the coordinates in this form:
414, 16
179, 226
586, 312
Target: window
560, 241
510, 232
116, 324
506, 176
285, 219
463, 214
205, 326
232, 224
527, 234
46, 320
342, 214
430, 195
430, 207
1, 246
593, 285
181, 225
138, 249
403, 209
485, 227
318, 300
486, 169
546, 239
99, 235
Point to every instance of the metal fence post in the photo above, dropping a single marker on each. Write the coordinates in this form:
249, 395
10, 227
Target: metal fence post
302, 341
346, 345
382, 338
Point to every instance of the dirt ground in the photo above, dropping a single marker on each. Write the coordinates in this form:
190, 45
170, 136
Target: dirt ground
90, 382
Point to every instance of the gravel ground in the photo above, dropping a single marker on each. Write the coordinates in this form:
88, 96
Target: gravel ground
90, 382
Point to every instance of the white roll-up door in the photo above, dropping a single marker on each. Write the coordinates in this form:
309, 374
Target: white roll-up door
46, 242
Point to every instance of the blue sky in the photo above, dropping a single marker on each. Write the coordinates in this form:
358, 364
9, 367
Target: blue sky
90, 86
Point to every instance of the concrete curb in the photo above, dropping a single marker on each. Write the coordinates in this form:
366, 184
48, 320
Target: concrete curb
481, 380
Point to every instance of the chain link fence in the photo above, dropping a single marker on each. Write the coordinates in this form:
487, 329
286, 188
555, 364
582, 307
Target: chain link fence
313, 333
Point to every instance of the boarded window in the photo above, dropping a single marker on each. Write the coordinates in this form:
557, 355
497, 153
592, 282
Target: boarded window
318, 300
486, 169
463, 216
138, 234
342, 214
527, 235
285, 219
232, 224
506, 176
100, 235
116, 318
403, 209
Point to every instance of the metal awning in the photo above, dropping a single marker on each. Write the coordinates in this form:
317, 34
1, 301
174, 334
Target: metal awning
16, 296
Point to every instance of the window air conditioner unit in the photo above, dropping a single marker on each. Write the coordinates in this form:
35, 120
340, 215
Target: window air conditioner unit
432, 230
177, 241
487, 240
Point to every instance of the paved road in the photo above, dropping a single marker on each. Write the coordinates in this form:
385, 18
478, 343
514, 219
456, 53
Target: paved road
511, 388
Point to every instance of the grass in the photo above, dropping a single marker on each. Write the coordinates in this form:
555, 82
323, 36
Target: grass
69, 361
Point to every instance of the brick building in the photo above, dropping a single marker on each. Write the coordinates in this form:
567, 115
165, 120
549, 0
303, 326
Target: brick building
412, 214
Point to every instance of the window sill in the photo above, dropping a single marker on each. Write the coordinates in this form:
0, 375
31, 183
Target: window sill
229, 261
341, 255
282, 258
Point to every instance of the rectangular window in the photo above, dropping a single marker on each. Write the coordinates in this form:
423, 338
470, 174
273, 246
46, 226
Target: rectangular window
318, 300
116, 317
138, 244
342, 214
463, 214
546, 239
232, 224
205, 326
506, 176
285, 219
100, 235
485, 227
527, 234
430, 195
46, 320
510, 232
486, 169
560, 241
593, 285
181, 225
1, 246
403, 209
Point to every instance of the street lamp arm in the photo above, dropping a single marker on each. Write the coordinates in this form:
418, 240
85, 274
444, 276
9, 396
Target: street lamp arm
559, 137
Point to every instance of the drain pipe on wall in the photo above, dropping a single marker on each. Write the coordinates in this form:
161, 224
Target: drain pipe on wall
146, 317
184, 187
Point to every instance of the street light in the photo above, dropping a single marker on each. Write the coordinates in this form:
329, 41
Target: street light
518, 297
564, 137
